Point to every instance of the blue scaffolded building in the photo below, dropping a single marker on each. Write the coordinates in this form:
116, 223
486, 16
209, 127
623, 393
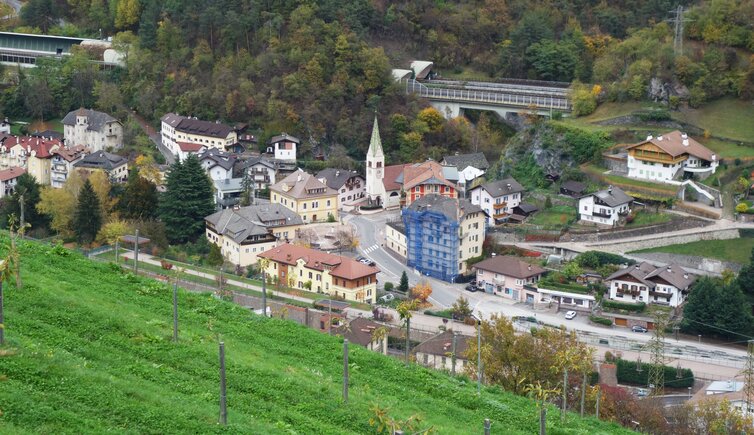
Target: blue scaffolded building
433, 235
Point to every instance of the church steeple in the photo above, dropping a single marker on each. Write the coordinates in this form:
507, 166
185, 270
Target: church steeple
375, 144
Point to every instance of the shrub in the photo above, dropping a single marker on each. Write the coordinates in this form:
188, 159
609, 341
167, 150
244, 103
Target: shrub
742, 207
595, 259
637, 308
627, 374
601, 320
389, 286
654, 115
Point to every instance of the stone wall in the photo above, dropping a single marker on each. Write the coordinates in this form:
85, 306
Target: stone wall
702, 264
623, 233
665, 240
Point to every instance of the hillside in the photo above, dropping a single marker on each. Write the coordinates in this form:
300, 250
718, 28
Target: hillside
89, 351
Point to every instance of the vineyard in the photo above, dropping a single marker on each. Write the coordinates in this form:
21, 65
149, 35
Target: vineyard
89, 350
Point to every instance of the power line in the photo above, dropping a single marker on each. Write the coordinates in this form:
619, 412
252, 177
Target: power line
678, 21
656, 375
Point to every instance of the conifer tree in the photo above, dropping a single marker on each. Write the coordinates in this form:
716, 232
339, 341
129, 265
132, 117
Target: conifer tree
88, 218
188, 199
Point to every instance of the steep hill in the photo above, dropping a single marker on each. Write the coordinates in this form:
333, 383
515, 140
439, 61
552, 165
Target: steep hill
89, 351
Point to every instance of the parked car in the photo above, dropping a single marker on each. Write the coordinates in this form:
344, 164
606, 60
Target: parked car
387, 298
642, 392
471, 288
570, 315
637, 328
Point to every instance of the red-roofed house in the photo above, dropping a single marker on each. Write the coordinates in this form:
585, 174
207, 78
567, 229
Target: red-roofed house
8, 180
33, 153
669, 157
313, 270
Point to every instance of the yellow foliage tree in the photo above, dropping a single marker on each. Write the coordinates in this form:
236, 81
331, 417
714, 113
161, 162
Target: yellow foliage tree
59, 205
112, 231
421, 291
127, 13
148, 169
101, 184
432, 117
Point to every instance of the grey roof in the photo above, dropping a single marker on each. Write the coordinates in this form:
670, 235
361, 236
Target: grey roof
637, 271
451, 207
253, 220
612, 196
52, 134
510, 266
229, 185
101, 160
282, 137
336, 178
463, 161
259, 160
527, 208
501, 187
573, 186
221, 158
197, 126
648, 274
450, 173
95, 120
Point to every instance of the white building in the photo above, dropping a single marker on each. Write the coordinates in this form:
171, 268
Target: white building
669, 157
185, 135
228, 192
497, 199
350, 185
5, 126
97, 131
470, 167
63, 159
284, 146
605, 207
643, 282
8, 180
262, 172
217, 163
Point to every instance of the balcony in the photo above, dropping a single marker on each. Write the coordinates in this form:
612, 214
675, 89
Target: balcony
627, 292
602, 214
499, 206
499, 215
531, 287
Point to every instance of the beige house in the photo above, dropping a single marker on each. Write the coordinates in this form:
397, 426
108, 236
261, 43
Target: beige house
97, 131
437, 352
62, 162
317, 271
33, 153
115, 166
305, 195
243, 233
509, 277
395, 238
9, 179
185, 135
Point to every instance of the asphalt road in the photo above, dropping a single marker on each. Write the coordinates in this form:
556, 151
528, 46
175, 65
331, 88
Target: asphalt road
371, 232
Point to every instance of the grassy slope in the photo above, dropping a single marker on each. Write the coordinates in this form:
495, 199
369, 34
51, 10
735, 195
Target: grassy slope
738, 250
89, 351
726, 117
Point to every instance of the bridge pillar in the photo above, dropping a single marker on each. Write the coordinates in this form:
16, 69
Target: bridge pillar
448, 110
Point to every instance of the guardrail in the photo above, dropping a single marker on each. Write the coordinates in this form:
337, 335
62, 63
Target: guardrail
510, 99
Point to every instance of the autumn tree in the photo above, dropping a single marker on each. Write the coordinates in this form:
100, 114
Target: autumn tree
88, 217
60, 204
421, 292
461, 308
139, 200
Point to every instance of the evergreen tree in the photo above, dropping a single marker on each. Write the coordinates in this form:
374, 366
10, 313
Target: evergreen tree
746, 276
247, 195
28, 187
88, 218
699, 310
717, 309
188, 199
403, 286
733, 313
215, 256
140, 198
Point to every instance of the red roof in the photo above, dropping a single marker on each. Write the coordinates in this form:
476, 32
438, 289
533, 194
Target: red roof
11, 173
41, 146
342, 267
189, 147
391, 174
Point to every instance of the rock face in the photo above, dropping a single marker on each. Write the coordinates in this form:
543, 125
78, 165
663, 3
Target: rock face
658, 91
547, 146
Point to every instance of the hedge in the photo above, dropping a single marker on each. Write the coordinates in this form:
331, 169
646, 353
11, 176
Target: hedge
448, 314
595, 259
601, 320
627, 374
575, 288
637, 308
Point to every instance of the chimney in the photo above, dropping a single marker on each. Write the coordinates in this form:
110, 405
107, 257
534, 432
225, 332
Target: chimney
610, 189
669, 269
714, 157
650, 137
493, 254
508, 186
685, 142
529, 267
227, 181
684, 136
659, 137
337, 173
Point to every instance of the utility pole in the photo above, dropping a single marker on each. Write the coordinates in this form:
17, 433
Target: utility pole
22, 207
748, 370
264, 294
116, 250
223, 404
597, 407
656, 375
408, 337
487, 426
175, 309
2, 321
453, 356
583, 393
565, 394
345, 371
136, 253
479, 357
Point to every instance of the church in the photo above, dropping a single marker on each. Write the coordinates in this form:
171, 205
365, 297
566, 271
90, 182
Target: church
399, 185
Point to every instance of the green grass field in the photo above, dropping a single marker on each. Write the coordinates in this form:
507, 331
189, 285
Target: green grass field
556, 215
625, 182
736, 250
726, 117
727, 149
644, 217
89, 351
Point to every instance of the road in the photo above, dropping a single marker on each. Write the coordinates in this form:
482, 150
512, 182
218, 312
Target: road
155, 137
371, 232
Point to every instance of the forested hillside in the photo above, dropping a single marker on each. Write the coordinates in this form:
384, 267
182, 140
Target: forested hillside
320, 69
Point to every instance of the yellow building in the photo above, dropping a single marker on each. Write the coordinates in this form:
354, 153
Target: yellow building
33, 153
316, 271
306, 196
244, 232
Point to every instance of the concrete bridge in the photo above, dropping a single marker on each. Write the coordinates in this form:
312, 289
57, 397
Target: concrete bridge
23, 49
507, 97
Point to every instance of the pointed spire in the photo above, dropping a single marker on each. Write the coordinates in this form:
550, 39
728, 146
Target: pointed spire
375, 144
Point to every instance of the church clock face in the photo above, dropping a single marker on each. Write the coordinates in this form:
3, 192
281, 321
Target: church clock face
379, 172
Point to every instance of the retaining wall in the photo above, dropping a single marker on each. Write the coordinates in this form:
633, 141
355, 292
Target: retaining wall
665, 240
